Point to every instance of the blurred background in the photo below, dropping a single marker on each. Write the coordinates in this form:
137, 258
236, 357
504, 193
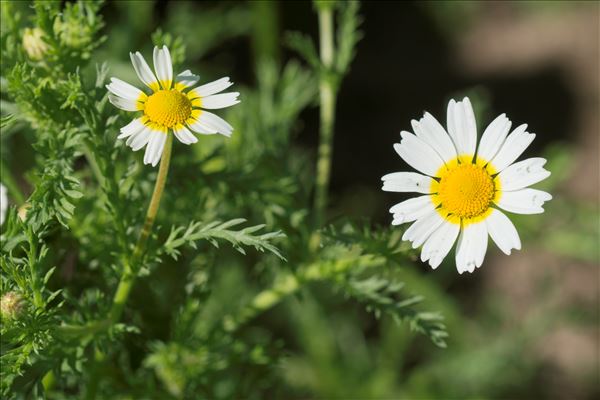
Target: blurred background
522, 327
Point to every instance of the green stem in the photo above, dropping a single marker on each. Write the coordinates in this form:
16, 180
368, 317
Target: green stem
327, 99
289, 283
36, 286
283, 287
91, 159
131, 268
92, 386
80, 331
265, 33
49, 381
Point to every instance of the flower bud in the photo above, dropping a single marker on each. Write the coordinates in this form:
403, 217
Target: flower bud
11, 305
33, 43
22, 211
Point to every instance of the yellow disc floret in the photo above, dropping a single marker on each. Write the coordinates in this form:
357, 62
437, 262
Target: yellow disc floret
168, 108
465, 191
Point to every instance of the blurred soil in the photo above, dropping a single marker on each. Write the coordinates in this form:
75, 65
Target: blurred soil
537, 283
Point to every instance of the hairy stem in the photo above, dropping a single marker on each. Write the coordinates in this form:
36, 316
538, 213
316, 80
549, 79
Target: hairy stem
131, 267
327, 99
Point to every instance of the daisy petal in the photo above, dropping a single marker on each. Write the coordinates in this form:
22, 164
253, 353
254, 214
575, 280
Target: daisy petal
503, 232
439, 243
185, 80
184, 135
493, 137
131, 128
433, 133
155, 148
514, 145
422, 228
159, 149
214, 123
481, 244
471, 248
163, 66
143, 71
411, 209
125, 90
198, 127
152, 143
524, 201
220, 100
462, 126
418, 154
123, 104
523, 174
407, 182
140, 139
210, 88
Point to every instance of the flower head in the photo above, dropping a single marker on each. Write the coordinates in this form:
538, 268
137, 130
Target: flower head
34, 44
173, 106
465, 185
11, 305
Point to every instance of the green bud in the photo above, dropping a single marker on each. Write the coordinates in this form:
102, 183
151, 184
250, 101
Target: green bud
72, 32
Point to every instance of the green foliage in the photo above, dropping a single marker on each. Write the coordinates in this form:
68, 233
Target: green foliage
381, 296
380, 292
348, 35
304, 46
347, 38
212, 231
176, 46
72, 33
28, 337
206, 321
6, 121
202, 32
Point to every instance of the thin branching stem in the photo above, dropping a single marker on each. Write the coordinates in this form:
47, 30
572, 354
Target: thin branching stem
91, 159
327, 99
131, 268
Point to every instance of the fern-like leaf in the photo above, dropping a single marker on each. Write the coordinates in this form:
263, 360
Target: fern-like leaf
384, 296
215, 230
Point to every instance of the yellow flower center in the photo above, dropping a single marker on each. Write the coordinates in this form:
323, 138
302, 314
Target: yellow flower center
465, 190
168, 108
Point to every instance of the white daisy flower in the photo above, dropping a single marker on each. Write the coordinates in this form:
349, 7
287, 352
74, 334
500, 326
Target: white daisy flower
465, 186
3, 203
172, 106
